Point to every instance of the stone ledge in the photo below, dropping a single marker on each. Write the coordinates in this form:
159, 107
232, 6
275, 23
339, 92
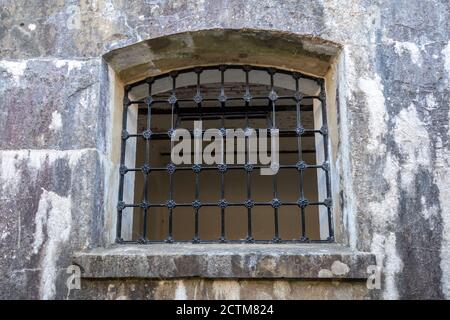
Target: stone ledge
163, 261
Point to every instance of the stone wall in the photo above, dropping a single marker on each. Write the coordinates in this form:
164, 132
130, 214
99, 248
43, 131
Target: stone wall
393, 98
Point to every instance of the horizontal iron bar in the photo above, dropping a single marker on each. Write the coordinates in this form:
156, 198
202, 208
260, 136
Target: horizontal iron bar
229, 110
235, 152
228, 66
243, 241
215, 204
283, 133
229, 167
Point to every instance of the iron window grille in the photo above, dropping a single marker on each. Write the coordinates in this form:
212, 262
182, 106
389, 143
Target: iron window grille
172, 105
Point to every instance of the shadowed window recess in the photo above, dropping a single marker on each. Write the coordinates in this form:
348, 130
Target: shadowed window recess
225, 202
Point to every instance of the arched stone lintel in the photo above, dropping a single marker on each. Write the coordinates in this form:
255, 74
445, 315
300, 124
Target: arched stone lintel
303, 53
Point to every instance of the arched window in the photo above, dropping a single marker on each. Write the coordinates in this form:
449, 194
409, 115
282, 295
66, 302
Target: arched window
229, 201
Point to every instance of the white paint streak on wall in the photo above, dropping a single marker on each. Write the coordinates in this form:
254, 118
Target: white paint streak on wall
446, 56
383, 215
373, 90
406, 47
442, 181
385, 250
281, 290
411, 48
180, 291
11, 160
54, 216
413, 142
71, 64
56, 122
223, 289
15, 68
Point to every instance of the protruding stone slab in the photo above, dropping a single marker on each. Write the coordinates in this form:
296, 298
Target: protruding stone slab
162, 261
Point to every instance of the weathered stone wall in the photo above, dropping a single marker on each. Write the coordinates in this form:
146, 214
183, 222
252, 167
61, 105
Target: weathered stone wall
393, 91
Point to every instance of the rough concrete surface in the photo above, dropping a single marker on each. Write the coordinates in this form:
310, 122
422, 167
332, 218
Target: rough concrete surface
393, 93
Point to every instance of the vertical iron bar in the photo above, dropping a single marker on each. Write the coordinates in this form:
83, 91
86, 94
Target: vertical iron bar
120, 208
171, 178
147, 159
272, 98
197, 177
247, 98
300, 157
325, 146
222, 99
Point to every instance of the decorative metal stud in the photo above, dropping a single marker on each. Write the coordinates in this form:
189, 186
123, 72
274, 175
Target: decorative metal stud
171, 204
324, 130
119, 240
148, 100
327, 202
247, 96
247, 68
198, 98
275, 203
123, 169
325, 166
248, 167
275, 167
196, 204
273, 96
222, 97
197, 132
196, 168
248, 132
147, 134
300, 130
276, 239
141, 241
223, 132
143, 205
171, 168
125, 134
121, 205
304, 239
169, 239
298, 96
222, 167
145, 169
172, 99
301, 165
223, 204
302, 203
171, 133
249, 203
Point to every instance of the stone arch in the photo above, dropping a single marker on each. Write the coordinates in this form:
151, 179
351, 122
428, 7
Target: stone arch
307, 54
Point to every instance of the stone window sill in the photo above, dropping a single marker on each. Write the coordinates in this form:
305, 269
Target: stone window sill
163, 261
